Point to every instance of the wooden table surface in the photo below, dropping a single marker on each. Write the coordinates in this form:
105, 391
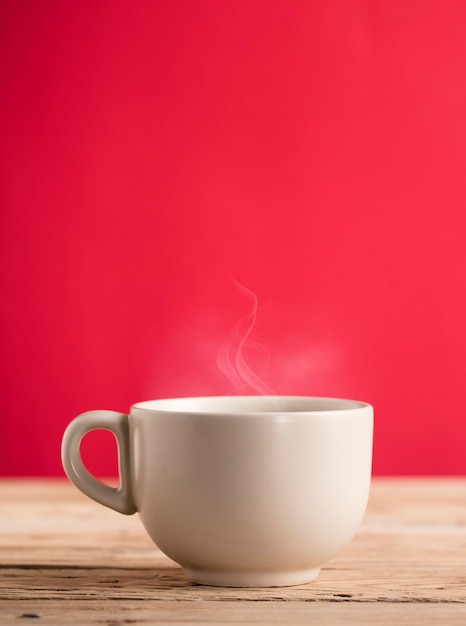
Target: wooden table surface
66, 560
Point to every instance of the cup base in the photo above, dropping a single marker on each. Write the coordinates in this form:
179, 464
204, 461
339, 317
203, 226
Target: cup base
251, 579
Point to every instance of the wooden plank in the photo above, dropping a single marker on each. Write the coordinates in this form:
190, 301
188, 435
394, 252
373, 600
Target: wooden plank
395, 584
109, 613
60, 550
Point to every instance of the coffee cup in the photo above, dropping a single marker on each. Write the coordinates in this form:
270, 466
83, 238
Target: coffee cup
241, 491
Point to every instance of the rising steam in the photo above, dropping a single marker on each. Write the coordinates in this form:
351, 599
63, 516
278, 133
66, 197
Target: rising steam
231, 358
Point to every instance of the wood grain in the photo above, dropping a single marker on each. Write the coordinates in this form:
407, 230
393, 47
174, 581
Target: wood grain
71, 561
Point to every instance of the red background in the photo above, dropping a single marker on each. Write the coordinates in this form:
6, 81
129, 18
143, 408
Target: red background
313, 151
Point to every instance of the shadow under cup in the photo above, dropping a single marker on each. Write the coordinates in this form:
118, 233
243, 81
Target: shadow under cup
240, 491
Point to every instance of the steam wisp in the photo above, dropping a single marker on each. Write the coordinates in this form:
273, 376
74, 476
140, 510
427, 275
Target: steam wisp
231, 358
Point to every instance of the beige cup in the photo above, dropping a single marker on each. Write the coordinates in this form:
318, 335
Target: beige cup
249, 491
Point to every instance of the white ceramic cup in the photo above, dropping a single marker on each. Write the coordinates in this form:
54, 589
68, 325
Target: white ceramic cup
251, 491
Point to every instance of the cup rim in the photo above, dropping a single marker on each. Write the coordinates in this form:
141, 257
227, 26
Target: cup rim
279, 405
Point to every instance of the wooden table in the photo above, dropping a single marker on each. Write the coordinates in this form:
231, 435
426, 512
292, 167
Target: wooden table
67, 560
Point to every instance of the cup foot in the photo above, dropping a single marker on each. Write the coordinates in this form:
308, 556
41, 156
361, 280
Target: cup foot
251, 579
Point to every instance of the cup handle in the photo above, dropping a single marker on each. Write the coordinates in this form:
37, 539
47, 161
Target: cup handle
120, 498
